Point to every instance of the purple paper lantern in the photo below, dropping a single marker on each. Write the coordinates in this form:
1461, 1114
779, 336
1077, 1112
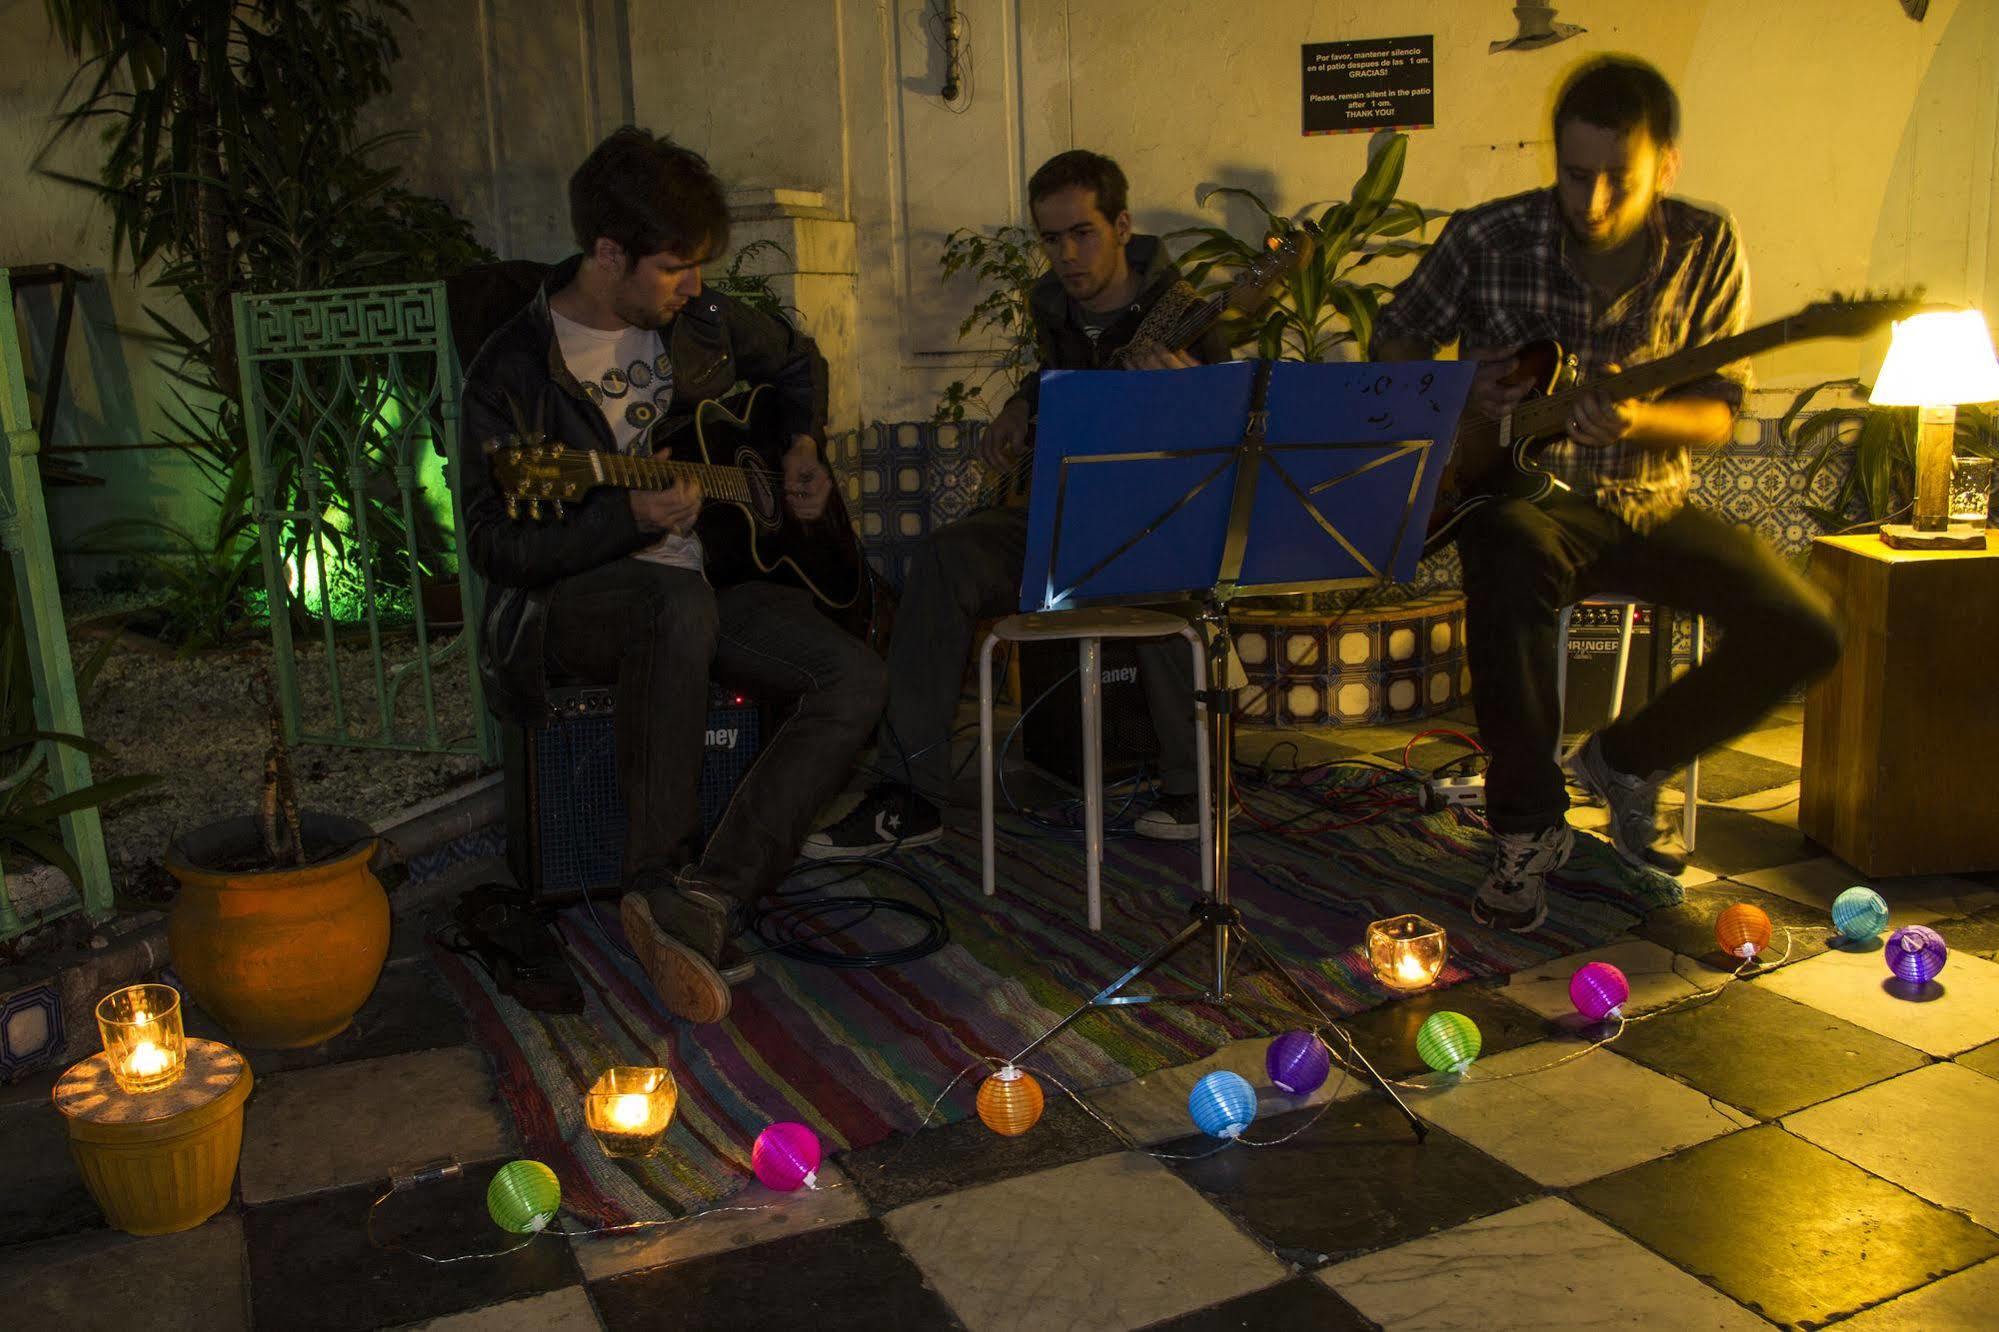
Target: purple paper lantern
786, 1156
1916, 953
1297, 1063
1598, 990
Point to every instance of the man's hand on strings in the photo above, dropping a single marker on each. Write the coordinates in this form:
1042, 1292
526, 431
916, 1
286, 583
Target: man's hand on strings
671, 510
1499, 386
808, 486
1597, 420
1005, 436
1152, 356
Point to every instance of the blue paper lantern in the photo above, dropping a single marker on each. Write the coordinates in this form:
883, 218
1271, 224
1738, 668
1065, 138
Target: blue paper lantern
1916, 953
1297, 1063
1222, 1104
1859, 914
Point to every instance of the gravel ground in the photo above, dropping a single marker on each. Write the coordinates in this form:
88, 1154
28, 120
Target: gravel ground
198, 721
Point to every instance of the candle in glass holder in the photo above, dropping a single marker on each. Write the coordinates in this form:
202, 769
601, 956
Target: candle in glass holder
628, 1109
143, 1041
1406, 952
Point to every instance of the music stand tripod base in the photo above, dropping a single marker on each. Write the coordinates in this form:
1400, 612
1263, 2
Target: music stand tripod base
1216, 919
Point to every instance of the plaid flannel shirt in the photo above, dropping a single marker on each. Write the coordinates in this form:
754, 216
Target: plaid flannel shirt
1500, 275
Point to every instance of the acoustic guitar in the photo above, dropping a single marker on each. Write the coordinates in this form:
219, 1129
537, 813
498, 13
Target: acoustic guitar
1500, 459
729, 447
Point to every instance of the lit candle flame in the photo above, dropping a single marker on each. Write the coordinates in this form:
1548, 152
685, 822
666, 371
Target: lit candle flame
629, 1112
146, 1060
1410, 968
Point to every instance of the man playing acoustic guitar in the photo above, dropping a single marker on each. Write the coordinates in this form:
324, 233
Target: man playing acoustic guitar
1102, 282
624, 591
1616, 272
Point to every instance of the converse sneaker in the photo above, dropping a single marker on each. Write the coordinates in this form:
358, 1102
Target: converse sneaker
1174, 818
888, 816
1514, 895
1633, 804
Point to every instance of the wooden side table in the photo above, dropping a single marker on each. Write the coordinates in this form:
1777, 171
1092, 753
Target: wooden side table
1900, 738
160, 1161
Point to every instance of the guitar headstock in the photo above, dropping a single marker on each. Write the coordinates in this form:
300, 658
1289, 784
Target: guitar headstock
1855, 316
528, 468
1282, 256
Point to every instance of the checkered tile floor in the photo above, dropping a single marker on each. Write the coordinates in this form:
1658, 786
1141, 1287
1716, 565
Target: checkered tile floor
1801, 1148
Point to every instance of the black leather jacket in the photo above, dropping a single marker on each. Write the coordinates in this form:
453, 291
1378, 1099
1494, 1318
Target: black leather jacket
518, 383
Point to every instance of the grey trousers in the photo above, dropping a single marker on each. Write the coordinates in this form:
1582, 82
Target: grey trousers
968, 571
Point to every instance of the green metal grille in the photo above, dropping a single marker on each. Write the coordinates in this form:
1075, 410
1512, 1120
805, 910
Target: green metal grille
351, 404
24, 533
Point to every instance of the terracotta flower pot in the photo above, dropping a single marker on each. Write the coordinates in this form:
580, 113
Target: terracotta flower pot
281, 958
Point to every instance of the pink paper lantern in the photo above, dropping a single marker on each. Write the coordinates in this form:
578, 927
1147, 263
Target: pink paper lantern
786, 1157
1598, 990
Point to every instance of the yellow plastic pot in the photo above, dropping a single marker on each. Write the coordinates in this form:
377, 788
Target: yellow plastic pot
281, 958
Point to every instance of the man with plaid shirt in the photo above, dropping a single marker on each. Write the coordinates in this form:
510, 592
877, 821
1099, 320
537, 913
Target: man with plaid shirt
1618, 274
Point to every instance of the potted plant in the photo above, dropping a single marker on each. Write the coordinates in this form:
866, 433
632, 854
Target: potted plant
1877, 446
281, 928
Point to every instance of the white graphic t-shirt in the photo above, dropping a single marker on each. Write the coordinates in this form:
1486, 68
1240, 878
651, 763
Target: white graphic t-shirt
627, 374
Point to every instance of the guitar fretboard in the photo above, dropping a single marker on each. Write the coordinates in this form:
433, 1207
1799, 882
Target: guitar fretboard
722, 483
1548, 415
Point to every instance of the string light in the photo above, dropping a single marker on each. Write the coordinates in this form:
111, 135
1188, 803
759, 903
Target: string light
1916, 953
1859, 914
1742, 930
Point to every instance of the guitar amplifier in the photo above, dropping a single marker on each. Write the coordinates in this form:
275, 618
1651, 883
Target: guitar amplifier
1593, 634
1052, 735
565, 811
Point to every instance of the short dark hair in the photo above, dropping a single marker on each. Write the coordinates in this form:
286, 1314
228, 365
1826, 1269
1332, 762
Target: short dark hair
1620, 93
1079, 167
648, 194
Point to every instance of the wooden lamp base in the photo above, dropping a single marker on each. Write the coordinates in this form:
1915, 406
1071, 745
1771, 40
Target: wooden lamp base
1958, 536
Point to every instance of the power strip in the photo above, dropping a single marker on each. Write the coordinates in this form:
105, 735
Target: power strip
1446, 792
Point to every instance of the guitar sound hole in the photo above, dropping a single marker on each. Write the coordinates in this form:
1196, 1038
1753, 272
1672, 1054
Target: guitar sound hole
763, 486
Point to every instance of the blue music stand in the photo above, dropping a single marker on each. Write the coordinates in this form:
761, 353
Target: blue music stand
1262, 476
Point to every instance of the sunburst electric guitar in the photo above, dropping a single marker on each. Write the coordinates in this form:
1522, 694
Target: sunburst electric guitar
1500, 459
727, 447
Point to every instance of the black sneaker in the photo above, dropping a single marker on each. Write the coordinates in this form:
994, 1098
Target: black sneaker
1174, 818
1633, 803
888, 816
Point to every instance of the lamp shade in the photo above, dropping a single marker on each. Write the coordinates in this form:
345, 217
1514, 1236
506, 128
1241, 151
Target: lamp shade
1010, 1102
523, 1196
1222, 1104
785, 1157
1448, 1041
1938, 359
1598, 990
1742, 930
1859, 914
1916, 953
1297, 1063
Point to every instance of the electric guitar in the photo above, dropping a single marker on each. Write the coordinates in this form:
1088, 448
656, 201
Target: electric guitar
1180, 318
1500, 459
744, 524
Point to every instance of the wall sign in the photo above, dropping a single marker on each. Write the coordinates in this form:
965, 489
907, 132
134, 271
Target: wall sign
1378, 83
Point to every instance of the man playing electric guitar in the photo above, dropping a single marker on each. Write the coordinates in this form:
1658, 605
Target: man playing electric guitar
624, 591
1616, 272
1103, 280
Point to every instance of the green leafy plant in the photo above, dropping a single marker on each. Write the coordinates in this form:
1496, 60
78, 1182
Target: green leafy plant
1005, 263
1878, 445
754, 289
232, 162
1328, 300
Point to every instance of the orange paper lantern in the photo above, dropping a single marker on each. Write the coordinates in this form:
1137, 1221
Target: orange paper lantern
1010, 1102
1742, 930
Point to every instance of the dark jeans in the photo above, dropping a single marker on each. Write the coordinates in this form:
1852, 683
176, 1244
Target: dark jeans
659, 634
969, 571
1523, 563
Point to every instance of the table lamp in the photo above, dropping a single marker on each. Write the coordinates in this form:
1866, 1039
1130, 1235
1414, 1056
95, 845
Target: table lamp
1935, 362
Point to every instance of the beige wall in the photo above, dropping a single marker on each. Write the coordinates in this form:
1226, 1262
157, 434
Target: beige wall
1853, 146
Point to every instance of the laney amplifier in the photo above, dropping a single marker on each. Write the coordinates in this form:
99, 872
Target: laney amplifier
1593, 635
565, 811
1052, 735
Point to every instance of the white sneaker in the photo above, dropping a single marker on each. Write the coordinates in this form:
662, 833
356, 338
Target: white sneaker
1514, 895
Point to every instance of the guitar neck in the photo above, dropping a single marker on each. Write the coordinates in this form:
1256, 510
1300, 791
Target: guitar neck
720, 483
1547, 415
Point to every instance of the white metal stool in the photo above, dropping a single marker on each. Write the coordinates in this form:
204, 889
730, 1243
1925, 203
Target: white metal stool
1662, 641
1090, 628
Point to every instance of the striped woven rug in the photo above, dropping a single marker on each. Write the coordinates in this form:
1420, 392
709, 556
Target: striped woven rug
863, 1054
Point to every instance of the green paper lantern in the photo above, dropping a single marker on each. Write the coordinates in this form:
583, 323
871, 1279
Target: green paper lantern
1448, 1041
524, 1196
